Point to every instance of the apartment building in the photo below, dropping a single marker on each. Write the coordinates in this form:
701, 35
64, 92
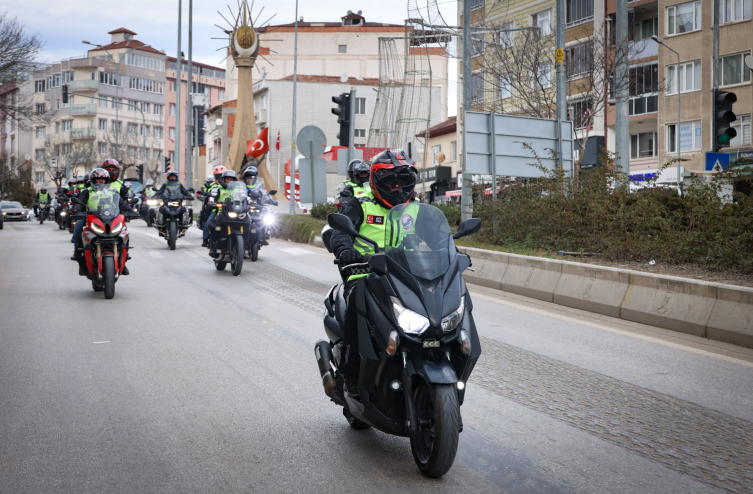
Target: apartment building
205, 79
687, 28
114, 109
15, 141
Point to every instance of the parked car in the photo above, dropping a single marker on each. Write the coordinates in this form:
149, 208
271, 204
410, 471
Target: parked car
1, 216
14, 211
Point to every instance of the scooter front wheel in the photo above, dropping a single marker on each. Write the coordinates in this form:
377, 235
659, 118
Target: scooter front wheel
437, 411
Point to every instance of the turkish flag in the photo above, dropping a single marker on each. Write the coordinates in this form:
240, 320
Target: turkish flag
258, 147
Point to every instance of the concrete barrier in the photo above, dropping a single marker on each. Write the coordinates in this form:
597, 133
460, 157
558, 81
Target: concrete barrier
732, 317
533, 277
488, 267
592, 288
668, 302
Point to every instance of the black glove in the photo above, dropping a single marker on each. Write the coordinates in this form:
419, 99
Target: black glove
350, 256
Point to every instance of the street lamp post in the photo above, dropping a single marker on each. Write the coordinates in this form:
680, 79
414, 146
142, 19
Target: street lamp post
677, 130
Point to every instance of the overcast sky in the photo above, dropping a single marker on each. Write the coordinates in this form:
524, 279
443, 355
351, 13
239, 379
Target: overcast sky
63, 24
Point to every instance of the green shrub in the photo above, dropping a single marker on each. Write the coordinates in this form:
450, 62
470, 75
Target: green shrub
320, 211
451, 212
298, 228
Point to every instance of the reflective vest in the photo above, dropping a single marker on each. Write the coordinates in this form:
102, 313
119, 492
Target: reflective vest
359, 192
44, 197
149, 192
173, 189
96, 197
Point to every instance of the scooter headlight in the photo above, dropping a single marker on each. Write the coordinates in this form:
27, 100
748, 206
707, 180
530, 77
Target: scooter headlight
452, 320
117, 229
232, 215
409, 321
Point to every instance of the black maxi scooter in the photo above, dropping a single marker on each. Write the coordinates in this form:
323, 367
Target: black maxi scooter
417, 339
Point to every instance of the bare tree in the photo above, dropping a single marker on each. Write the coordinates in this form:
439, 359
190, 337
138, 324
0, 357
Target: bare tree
81, 155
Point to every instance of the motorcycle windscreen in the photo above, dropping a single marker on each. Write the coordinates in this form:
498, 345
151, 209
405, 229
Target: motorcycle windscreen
418, 237
173, 193
237, 191
103, 201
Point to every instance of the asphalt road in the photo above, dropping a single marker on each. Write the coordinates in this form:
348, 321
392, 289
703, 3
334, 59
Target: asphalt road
192, 380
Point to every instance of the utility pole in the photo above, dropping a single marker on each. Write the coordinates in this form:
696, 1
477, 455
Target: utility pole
292, 133
189, 105
178, 79
561, 80
622, 124
351, 127
466, 201
715, 75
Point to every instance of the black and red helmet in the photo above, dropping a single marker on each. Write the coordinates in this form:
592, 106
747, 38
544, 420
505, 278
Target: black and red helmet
112, 167
393, 178
99, 173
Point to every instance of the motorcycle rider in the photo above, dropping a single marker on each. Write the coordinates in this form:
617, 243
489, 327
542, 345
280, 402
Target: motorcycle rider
113, 168
149, 188
98, 176
172, 184
255, 184
208, 209
41, 196
356, 185
393, 182
218, 195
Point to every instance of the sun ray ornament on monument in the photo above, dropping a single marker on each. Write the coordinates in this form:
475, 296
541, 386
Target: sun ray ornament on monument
244, 48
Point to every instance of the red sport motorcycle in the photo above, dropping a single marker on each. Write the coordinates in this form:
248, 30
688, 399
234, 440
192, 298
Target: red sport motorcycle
105, 239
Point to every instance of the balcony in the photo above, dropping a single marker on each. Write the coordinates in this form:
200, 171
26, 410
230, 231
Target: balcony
83, 109
644, 48
83, 86
85, 133
643, 105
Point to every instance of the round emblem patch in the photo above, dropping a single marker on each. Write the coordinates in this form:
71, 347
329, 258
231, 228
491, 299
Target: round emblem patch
107, 213
407, 221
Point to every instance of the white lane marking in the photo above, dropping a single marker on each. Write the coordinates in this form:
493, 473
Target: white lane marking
155, 254
297, 251
98, 342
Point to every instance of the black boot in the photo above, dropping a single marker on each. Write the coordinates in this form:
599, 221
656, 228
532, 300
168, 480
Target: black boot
351, 387
82, 271
125, 271
205, 243
74, 258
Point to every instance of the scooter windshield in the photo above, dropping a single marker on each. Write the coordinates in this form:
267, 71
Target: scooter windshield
418, 237
104, 201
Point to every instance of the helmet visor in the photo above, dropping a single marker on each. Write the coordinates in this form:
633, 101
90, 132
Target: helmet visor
393, 177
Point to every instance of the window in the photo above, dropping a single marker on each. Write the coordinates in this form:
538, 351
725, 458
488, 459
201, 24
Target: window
506, 37
172, 156
57, 150
40, 132
644, 87
172, 109
645, 29
157, 154
742, 126
542, 79
146, 85
131, 152
579, 11
580, 113
505, 87
476, 4
360, 106
39, 176
40, 154
117, 103
115, 149
57, 104
39, 86
40, 109
684, 18
67, 76
690, 136
102, 148
172, 86
145, 107
110, 79
103, 101
132, 105
143, 61
643, 145
66, 149
543, 20
734, 10
132, 128
158, 132
264, 102
359, 133
435, 150
70, 100
66, 125
55, 80
579, 60
733, 70
117, 126
102, 124
477, 89
159, 109
342, 48
172, 133
57, 127
454, 150
689, 77
145, 130
478, 44
222, 95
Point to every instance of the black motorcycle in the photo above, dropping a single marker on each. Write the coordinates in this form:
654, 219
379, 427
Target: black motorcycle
64, 212
417, 340
232, 227
262, 219
174, 216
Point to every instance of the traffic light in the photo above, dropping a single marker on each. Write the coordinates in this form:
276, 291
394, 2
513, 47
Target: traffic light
343, 117
140, 172
65, 93
167, 164
723, 117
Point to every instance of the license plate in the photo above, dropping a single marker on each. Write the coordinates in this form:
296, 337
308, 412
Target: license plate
431, 344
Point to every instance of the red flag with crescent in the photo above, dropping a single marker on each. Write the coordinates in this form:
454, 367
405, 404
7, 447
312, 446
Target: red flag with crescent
259, 146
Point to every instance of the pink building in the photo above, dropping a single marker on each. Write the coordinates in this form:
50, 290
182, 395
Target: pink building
206, 79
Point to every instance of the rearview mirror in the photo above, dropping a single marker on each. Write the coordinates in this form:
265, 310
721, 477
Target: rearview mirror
468, 227
341, 223
272, 192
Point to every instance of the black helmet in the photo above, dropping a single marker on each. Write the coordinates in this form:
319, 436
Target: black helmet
173, 174
393, 178
99, 173
80, 179
71, 182
228, 174
87, 179
357, 167
252, 174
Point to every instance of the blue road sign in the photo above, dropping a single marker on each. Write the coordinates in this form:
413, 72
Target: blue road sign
717, 161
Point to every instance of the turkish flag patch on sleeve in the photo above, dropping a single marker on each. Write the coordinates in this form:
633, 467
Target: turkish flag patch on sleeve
374, 220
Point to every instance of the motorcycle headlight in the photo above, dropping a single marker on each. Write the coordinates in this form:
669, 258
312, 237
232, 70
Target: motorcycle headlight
242, 215
117, 229
183, 203
151, 202
174, 203
96, 229
269, 220
62, 213
452, 320
409, 321
232, 215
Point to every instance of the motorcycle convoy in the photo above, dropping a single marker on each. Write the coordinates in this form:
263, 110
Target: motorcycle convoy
417, 339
